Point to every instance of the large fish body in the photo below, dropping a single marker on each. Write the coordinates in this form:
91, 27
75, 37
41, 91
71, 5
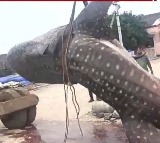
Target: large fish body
99, 63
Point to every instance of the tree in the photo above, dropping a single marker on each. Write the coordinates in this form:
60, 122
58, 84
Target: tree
134, 33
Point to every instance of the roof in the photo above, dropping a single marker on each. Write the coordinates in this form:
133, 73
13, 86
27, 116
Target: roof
151, 18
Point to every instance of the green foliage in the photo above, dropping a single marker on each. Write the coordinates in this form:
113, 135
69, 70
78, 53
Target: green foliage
134, 33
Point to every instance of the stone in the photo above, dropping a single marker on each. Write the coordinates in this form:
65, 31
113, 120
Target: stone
110, 109
101, 107
107, 116
100, 115
112, 119
115, 115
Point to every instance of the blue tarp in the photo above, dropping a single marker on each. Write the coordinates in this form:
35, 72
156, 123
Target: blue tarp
15, 78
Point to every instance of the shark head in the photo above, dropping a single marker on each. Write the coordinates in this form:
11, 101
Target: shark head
100, 63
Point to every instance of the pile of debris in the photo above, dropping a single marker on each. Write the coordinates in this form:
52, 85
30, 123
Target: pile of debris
10, 84
101, 109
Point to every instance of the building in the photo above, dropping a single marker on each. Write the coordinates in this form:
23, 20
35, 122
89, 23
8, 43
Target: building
4, 67
153, 28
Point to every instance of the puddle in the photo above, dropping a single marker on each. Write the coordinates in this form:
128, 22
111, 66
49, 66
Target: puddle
53, 132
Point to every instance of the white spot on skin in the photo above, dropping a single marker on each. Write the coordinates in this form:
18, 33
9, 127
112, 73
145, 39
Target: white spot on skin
80, 49
151, 133
155, 121
82, 67
117, 67
144, 131
102, 90
139, 126
121, 59
87, 56
126, 83
132, 73
120, 91
150, 95
126, 104
145, 138
142, 78
99, 57
132, 116
123, 73
77, 55
138, 137
102, 73
137, 88
125, 95
93, 70
85, 60
116, 98
145, 103
107, 84
111, 77
96, 43
108, 65
118, 81
76, 41
102, 48
132, 97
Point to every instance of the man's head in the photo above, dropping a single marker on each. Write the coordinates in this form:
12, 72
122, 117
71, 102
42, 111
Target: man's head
139, 51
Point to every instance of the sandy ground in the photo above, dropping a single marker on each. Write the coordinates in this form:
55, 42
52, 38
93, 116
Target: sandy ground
49, 126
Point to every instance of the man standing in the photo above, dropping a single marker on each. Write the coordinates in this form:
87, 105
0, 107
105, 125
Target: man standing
142, 59
91, 96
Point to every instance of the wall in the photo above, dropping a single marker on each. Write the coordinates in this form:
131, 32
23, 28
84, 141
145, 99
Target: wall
151, 53
155, 32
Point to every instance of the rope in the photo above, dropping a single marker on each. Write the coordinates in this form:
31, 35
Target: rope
66, 79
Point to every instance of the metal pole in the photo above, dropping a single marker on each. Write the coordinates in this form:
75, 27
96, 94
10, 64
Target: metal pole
118, 24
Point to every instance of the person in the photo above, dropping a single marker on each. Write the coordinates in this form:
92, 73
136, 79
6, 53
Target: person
91, 96
142, 59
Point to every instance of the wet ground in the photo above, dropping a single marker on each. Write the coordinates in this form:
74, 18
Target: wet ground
49, 126
53, 132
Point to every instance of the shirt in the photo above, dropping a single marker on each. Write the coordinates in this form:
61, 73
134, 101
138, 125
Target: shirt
143, 62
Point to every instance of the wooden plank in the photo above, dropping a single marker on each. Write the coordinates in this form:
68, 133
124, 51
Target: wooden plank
16, 104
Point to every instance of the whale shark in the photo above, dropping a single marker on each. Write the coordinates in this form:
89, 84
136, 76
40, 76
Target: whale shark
98, 62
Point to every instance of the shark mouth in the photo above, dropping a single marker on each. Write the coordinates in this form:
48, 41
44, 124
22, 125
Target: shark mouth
99, 63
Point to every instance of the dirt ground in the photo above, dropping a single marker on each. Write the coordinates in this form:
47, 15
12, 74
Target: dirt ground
49, 126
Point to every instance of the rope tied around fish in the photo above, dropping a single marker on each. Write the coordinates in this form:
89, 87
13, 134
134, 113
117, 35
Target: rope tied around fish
66, 78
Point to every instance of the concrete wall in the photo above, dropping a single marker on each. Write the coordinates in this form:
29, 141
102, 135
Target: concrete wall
4, 67
155, 32
150, 53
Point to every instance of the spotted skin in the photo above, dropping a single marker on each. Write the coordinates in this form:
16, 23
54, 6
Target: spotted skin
100, 63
